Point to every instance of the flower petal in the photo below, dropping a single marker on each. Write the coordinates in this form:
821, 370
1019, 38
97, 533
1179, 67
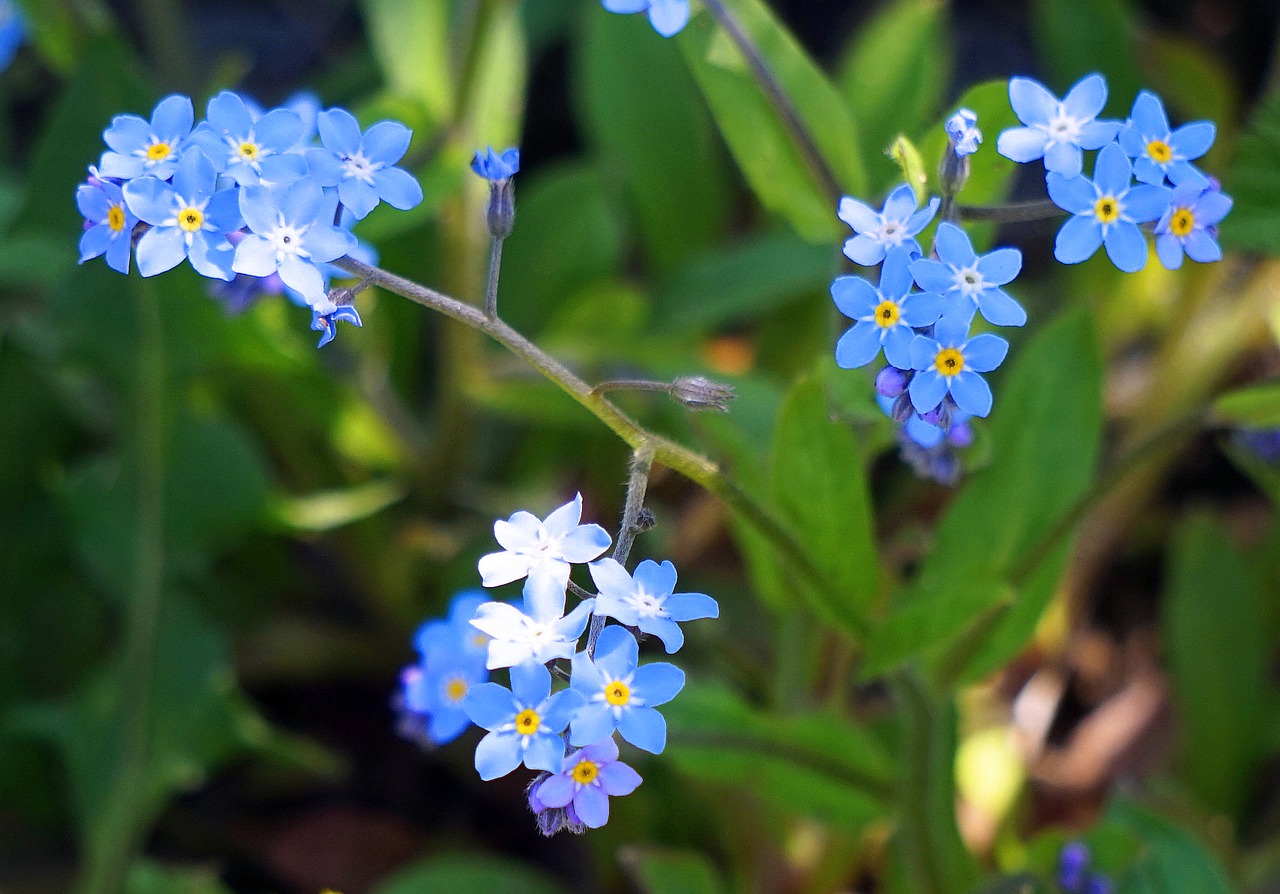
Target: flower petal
1086, 98
1074, 194
591, 803
971, 393
854, 296
856, 214
985, 352
657, 683
1078, 239
160, 249
497, 755
398, 188
489, 705
927, 389
858, 346
692, 607
1001, 266
1126, 247
1022, 144
590, 724
999, 309
644, 728
953, 246
1031, 102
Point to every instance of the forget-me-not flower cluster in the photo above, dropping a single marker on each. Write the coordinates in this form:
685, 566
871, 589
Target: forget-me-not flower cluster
668, 17
244, 196
567, 732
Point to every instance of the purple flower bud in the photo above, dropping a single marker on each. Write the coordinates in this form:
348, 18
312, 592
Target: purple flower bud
891, 382
960, 435
1073, 860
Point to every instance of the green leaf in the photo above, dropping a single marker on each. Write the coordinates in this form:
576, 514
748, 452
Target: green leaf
411, 40
1078, 37
1218, 656
774, 167
152, 878
1047, 416
644, 117
1170, 859
815, 764
820, 482
1257, 406
470, 874
909, 161
1254, 182
894, 77
660, 871
331, 509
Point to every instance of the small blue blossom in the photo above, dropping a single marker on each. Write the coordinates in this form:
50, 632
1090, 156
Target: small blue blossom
536, 630
455, 632
109, 224
1159, 152
647, 601
1057, 131
949, 363
251, 149
494, 167
1263, 443
1073, 863
543, 552
1189, 225
189, 219
879, 231
150, 148
886, 314
1107, 210
621, 695
524, 722
326, 321
668, 17
291, 233
970, 282
962, 132
362, 166
431, 697
586, 781
13, 31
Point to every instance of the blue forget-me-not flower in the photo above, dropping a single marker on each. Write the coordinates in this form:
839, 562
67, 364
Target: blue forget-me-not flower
452, 660
968, 281
887, 315
524, 722
140, 147
1159, 152
878, 231
1107, 211
1189, 225
668, 17
109, 224
535, 631
962, 132
496, 166
647, 601
1056, 130
949, 363
586, 781
621, 695
248, 149
362, 166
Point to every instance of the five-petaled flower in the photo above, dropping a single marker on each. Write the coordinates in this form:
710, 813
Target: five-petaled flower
1189, 225
949, 363
247, 150
1159, 152
968, 281
524, 722
1057, 131
620, 694
586, 781
109, 224
962, 132
878, 231
496, 166
362, 166
536, 631
139, 147
647, 601
887, 315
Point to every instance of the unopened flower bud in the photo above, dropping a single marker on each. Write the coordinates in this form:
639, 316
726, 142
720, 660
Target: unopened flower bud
902, 409
960, 435
891, 382
499, 171
963, 138
699, 393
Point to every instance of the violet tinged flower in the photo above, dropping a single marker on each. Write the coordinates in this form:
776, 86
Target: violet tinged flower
362, 166
13, 31
1073, 861
150, 148
1189, 225
496, 167
879, 231
109, 224
524, 722
1057, 131
969, 282
949, 363
1159, 152
962, 132
250, 149
543, 552
668, 17
326, 321
621, 695
892, 381
431, 695
292, 232
586, 781
552, 819
531, 632
1263, 443
1107, 211
647, 601
189, 219
886, 314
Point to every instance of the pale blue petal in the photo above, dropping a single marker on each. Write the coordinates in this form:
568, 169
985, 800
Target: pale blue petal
585, 675
985, 352
1001, 266
489, 705
655, 578
561, 708
497, 755
1112, 171
1022, 144
971, 393
932, 276
359, 198
386, 142
223, 212
301, 203
556, 791
530, 683
150, 200
927, 389
617, 654
901, 203
692, 607
953, 246
856, 214
256, 256
1185, 173
1144, 203
398, 188
228, 114
604, 751
1147, 171
125, 167
920, 310
584, 543
195, 176
1169, 251
1126, 247
950, 332
446, 724
212, 256
1193, 140
1078, 239
859, 345
160, 249
611, 579
668, 631
1096, 134
854, 296
644, 728
173, 117
284, 169
1074, 194
617, 779
591, 803
1148, 117
923, 350
864, 250
895, 275
1212, 207
590, 724
921, 218
279, 130
668, 17
94, 242
999, 309
544, 752
93, 203
339, 131
1201, 247
572, 624
897, 346
325, 167
304, 277
626, 6
1063, 158
329, 243
1131, 141
119, 252
1086, 98
1031, 102
259, 206
657, 683
127, 133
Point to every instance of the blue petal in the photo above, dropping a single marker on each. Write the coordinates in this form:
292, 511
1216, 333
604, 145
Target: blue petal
160, 249
860, 216
1126, 247
923, 350
618, 779
301, 203
1147, 171
446, 724
614, 639
950, 331
927, 389
858, 346
212, 256
1169, 251
260, 207
692, 607
173, 117
901, 203
1212, 207
863, 249
1148, 117
544, 752
386, 142
1193, 140
1096, 134
1112, 172
920, 310
668, 631
497, 755
530, 683
195, 176
657, 683
339, 131
655, 578
1201, 247
933, 276
1086, 98
895, 275
1144, 203
953, 246
1074, 194
668, 17
325, 167
1001, 266
971, 393
1022, 144
119, 252
92, 203
398, 188
150, 200
921, 218
229, 116
1063, 158
127, 133
329, 243
556, 791
489, 705
644, 728
223, 212
279, 130
558, 710
255, 256
985, 352
1031, 102
590, 724
591, 803
1078, 239
94, 242
897, 346
304, 277
999, 309
359, 197
854, 296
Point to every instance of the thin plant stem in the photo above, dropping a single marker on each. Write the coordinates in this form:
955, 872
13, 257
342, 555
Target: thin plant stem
631, 385
637, 486
778, 99
1015, 212
491, 288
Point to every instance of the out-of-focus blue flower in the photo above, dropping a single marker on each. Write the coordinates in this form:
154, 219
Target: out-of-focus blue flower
543, 552
109, 224
1073, 863
668, 17
969, 282
647, 600
250, 150
326, 322
189, 219
1189, 225
492, 166
534, 631
362, 166
587, 779
1107, 210
949, 363
1057, 131
886, 315
455, 632
524, 722
1159, 152
962, 132
150, 148
13, 31
879, 231
1263, 443
292, 231
621, 695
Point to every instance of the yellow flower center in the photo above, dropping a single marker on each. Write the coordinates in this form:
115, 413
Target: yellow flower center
1107, 209
190, 218
480, 640
949, 362
586, 772
527, 722
1160, 151
115, 218
248, 151
887, 314
617, 693
456, 689
158, 151
1183, 222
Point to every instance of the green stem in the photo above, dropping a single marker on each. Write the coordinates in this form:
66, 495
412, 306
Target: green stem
637, 486
1017, 212
491, 286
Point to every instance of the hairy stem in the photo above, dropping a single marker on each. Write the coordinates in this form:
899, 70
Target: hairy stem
637, 486
491, 287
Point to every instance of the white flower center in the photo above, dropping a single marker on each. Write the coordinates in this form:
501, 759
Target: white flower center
287, 240
1062, 128
892, 232
648, 605
969, 281
360, 168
